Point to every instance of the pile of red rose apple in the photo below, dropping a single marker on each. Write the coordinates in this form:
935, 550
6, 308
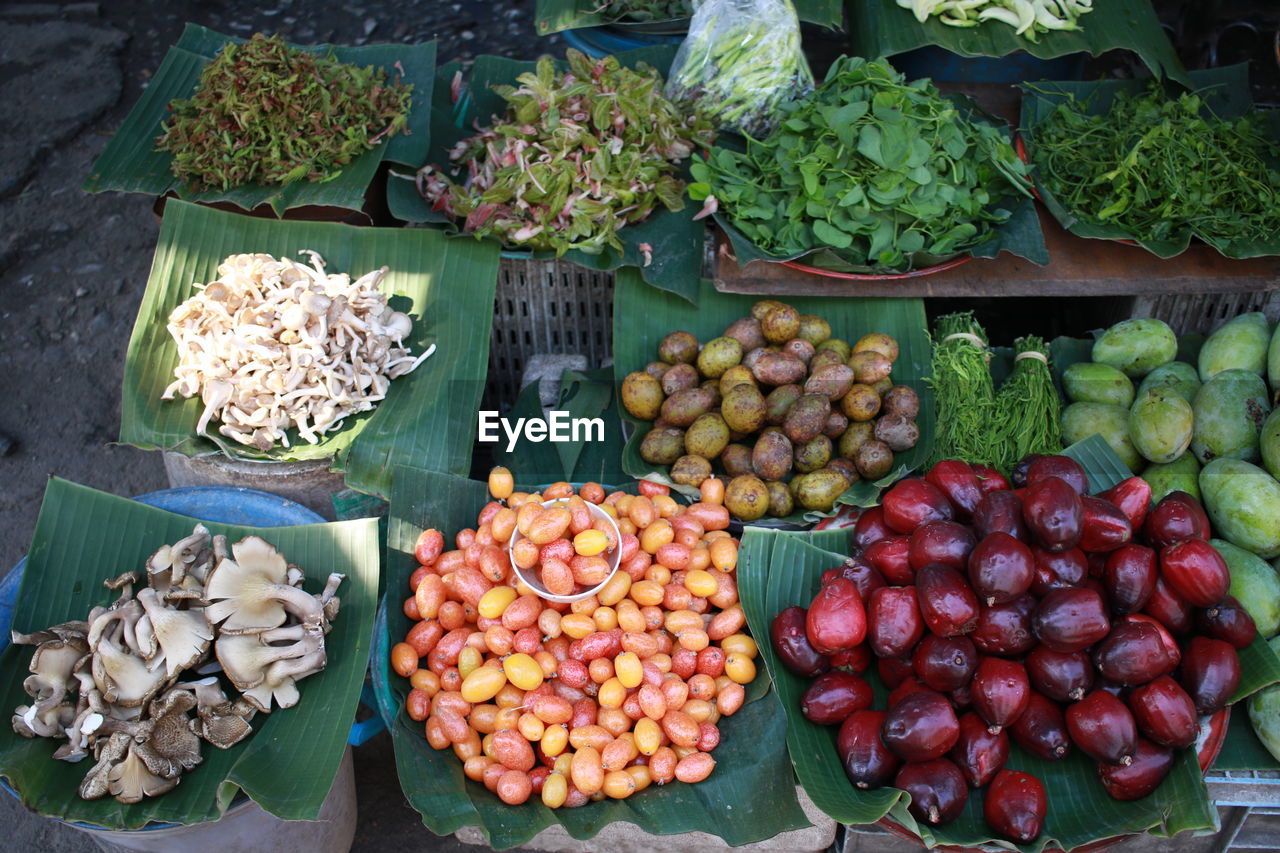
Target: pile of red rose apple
1066, 620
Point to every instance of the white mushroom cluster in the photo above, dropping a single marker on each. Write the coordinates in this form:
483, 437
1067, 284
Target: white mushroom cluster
272, 345
109, 685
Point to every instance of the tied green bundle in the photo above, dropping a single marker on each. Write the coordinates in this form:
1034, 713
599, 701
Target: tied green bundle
644, 11
267, 113
1027, 408
965, 394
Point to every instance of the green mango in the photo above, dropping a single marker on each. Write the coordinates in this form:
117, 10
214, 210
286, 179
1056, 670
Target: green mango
1136, 347
1180, 475
1176, 376
1243, 502
1085, 382
1229, 411
1254, 584
1264, 711
1273, 363
1239, 344
1269, 443
1081, 420
1160, 425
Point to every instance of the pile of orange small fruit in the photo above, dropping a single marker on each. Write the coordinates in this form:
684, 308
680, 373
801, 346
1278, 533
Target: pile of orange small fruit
599, 698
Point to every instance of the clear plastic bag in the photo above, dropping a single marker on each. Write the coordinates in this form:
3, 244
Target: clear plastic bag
740, 61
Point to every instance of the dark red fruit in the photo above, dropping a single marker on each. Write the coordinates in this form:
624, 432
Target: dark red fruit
1070, 620
1053, 513
978, 753
870, 527
894, 625
1000, 568
961, 698
1057, 570
791, 643
1210, 673
956, 480
833, 696
867, 761
1195, 571
1130, 578
921, 727
1000, 512
913, 502
1133, 497
1101, 725
836, 619
893, 671
1063, 467
1105, 527
1227, 621
1015, 806
1005, 629
890, 558
864, 576
947, 603
905, 688
1062, 676
1164, 712
943, 542
855, 660
1151, 763
937, 790
1133, 653
1168, 608
945, 663
989, 479
1000, 691
1042, 729
1170, 644
1178, 516
1018, 474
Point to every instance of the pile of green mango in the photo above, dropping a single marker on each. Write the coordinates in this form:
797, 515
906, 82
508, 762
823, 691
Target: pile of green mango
1211, 429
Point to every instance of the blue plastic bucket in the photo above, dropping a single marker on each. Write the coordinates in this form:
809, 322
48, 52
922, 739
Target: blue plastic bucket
939, 64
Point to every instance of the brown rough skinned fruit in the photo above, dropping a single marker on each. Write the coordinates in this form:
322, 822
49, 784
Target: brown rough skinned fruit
1015, 805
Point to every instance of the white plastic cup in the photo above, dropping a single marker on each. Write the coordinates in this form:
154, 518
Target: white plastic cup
534, 582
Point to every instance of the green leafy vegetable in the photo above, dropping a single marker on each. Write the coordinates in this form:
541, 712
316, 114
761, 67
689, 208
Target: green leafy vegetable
639, 11
1163, 169
1029, 18
1027, 407
885, 174
576, 157
267, 113
962, 384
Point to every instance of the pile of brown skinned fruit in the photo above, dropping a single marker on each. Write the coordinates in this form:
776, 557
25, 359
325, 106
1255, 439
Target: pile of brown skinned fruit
1066, 620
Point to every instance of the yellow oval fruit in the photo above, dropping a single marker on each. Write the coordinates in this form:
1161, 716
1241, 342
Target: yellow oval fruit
701, 583
495, 601
590, 542
628, 669
740, 668
469, 660
483, 684
522, 671
555, 790
740, 643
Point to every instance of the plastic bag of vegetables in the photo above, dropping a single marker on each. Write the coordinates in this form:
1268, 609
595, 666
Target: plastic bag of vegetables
740, 62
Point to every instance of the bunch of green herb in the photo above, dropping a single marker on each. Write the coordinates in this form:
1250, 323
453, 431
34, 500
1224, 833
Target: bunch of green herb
640, 11
1162, 168
577, 156
886, 174
1026, 408
266, 113
964, 393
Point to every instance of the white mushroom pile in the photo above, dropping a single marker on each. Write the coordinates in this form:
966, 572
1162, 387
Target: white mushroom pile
272, 345
109, 685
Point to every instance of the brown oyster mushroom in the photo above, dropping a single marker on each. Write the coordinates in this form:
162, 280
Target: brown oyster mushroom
52, 668
130, 780
222, 722
248, 593
112, 750
182, 636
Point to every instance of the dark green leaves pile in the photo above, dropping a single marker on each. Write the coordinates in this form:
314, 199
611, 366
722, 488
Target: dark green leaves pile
1162, 169
576, 157
1026, 412
637, 11
267, 113
888, 174
962, 384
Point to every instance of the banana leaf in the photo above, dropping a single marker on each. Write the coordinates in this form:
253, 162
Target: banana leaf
587, 394
1225, 92
677, 240
1242, 750
428, 415
131, 163
642, 318
289, 762
883, 28
751, 762
780, 569
553, 16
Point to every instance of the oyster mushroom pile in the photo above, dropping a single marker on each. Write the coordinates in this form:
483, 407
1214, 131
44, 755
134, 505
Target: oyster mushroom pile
109, 685
272, 345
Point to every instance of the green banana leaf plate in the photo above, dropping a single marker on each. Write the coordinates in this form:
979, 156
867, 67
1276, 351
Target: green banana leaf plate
131, 163
553, 16
642, 318
677, 239
427, 417
778, 569
289, 762
1225, 92
751, 762
883, 28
